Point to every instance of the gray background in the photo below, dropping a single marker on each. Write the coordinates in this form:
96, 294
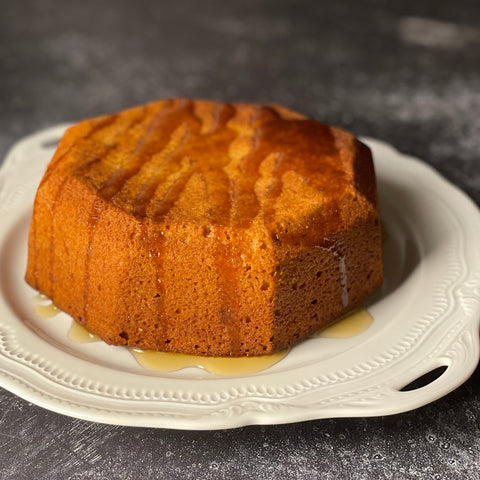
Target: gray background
405, 72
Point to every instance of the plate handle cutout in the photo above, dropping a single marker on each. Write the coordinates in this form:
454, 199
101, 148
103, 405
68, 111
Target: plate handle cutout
425, 379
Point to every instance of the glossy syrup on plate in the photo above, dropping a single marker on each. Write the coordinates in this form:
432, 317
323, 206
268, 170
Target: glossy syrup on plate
349, 326
80, 334
43, 310
169, 362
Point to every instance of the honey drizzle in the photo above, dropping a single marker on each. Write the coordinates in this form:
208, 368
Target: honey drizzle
147, 190
334, 245
219, 199
156, 241
97, 126
343, 278
32, 243
155, 139
217, 118
156, 252
53, 237
298, 142
228, 310
262, 151
174, 192
227, 292
242, 192
84, 167
97, 208
200, 162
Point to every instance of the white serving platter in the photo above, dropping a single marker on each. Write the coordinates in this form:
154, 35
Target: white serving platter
426, 316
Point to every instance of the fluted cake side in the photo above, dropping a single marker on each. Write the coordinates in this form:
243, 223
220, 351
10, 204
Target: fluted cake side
206, 228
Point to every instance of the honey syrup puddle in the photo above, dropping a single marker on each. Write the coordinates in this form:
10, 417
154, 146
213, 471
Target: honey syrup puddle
170, 362
48, 310
349, 326
80, 334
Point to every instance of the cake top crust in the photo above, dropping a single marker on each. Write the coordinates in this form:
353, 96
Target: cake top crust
197, 161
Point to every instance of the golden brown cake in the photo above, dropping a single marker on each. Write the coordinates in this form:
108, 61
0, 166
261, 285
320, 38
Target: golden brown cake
206, 228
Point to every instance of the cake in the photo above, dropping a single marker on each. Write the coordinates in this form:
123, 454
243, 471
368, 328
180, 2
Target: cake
206, 228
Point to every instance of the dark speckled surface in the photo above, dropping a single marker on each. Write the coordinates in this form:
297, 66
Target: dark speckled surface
405, 72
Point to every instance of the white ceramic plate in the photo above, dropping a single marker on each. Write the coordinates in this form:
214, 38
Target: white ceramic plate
426, 316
